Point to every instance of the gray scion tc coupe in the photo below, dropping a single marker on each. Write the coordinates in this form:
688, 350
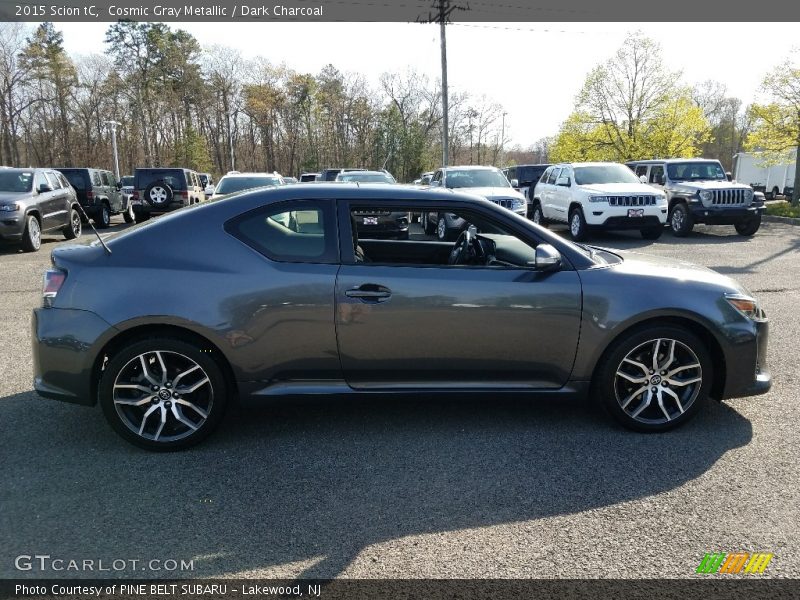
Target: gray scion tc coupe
283, 292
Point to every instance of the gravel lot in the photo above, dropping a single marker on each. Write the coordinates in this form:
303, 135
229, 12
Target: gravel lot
415, 488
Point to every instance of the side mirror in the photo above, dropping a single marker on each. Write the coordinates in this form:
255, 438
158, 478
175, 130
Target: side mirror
119, 185
643, 178
435, 183
546, 258
660, 180
44, 188
563, 181
728, 176
515, 183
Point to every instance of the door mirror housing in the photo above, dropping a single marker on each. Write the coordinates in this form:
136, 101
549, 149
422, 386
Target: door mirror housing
546, 258
643, 178
660, 180
44, 188
563, 181
729, 176
515, 183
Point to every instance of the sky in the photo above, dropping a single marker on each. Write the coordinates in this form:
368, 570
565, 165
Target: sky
534, 70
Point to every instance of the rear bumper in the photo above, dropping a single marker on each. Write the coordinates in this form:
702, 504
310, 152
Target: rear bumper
65, 343
725, 216
145, 208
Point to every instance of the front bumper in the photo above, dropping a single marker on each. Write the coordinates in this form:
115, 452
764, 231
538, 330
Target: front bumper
721, 215
65, 344
12, 225
616, 217
747, 371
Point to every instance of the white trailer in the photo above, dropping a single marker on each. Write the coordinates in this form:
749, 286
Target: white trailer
773, 180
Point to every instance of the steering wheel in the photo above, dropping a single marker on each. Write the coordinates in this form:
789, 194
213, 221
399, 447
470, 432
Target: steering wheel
467, 250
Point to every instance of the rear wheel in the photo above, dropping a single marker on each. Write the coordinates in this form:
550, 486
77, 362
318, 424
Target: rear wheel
129, 215
680, 220
774, 194
74, 227
32, 236
443, 232
655, 379
427, 226
103, 219
162, 393
749, 227
577, 225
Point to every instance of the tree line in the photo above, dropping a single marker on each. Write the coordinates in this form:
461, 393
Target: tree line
210, 109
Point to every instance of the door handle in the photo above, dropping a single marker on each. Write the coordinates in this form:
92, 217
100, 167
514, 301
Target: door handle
369, 292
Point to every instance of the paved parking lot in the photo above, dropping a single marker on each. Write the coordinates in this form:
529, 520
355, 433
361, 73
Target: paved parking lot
370, 488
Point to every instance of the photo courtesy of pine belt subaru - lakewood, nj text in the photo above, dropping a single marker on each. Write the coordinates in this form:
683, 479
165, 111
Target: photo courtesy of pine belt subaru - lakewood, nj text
279, 292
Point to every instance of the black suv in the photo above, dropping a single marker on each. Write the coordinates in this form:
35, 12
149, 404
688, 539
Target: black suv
527, 176
34, 201
100, 194
330, 174
162, 189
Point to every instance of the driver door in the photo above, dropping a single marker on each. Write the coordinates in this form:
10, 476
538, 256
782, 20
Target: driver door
419, 325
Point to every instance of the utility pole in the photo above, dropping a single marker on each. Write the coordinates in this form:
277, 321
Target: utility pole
113, 125
445, 120
503, 139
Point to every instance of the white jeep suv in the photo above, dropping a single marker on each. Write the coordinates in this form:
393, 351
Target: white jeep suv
598, 195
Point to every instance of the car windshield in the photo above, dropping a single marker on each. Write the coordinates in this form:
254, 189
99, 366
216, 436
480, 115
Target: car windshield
366, 177
16, 181
76, 178
229, 185
597, 174
474, 178
529, 174
696, 171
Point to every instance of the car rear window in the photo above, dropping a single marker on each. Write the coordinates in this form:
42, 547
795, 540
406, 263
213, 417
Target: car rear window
173, 177
77, 179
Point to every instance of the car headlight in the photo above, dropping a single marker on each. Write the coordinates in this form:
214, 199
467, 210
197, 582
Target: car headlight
746, 306
598, 198
748, 195
9, 207
706, 195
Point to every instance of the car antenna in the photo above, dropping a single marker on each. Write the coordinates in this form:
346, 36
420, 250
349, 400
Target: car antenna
89, 221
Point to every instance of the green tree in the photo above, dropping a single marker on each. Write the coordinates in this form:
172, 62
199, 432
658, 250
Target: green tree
776, 122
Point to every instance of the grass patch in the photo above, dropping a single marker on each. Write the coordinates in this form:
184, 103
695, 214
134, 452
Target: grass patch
783, 209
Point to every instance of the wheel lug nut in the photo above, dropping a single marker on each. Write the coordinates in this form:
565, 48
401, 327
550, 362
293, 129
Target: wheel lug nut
663, 372
176, 395
168, 384
655, 389
167, 403
651, 371
155, 388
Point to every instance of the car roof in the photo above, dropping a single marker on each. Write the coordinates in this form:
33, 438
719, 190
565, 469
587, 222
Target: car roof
469, 167
530, 165
656, 161
365, 172
242, 174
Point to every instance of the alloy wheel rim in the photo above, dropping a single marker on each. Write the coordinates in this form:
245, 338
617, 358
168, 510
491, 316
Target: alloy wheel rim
158, 195
35, 232
163, 396
537, 215
76, 224
677, 218
441, 228
658, 381
575, 227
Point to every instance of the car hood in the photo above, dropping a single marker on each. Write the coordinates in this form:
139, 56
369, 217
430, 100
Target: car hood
680, 271
491, 193
619, 188
716, 184
9, 197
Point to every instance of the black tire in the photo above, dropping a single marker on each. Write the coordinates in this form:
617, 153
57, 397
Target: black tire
141, 217
103, 218
443, 233
680, 220
32, 235
74, 228
427, 226
129, 215
749, 227
775, 193
537, 216
614, 391
210, 397
158, 194
652, 233
578, 228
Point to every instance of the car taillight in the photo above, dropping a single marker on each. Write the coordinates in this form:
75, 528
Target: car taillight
89, 195
182, 194
53, 280
136, 194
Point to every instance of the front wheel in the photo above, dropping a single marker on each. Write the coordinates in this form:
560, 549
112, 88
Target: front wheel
443, 232
749, 227
32, 236
74, 227
577, 225
103, 220
163, 393
680, 220
655, 379
537, 216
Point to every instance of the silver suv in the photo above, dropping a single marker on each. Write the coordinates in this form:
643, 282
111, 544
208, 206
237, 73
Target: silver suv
699, 191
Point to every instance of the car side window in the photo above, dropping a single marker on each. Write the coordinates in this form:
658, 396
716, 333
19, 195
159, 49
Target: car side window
104, 178
63, 180
641, 170
39, 180
96, 179
656, 174
53, 181
553, 176
295, 231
